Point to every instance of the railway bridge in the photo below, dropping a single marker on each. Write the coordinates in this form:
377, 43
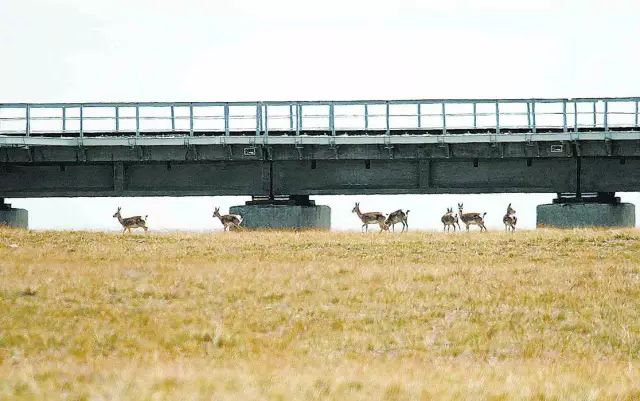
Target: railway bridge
282, 152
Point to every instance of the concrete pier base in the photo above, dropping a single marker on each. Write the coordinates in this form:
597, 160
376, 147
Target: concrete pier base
590, 213
18, 218
284, 214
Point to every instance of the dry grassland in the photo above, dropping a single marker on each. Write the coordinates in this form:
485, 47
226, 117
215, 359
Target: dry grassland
541, 315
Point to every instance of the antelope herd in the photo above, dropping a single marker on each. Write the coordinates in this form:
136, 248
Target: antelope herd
450, 219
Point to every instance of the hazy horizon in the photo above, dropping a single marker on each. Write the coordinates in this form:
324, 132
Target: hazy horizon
170, 214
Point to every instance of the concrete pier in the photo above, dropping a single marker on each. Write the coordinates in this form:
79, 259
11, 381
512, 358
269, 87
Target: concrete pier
18, 218
294, 212
597, 211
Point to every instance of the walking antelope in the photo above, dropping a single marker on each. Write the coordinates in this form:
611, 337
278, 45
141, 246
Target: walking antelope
510, 219
131, 222
229, 221
397, 217
449, 220
472, 218
370, 218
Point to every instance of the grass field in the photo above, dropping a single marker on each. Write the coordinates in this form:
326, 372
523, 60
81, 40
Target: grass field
540, 315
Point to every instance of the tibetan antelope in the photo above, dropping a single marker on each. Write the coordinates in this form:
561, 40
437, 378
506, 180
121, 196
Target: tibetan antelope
449, 220
229, 221
370, 218
397, 217
131, 222
472, 218
510, 219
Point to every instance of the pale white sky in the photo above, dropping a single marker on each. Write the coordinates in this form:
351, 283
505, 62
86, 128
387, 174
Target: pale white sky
79, 50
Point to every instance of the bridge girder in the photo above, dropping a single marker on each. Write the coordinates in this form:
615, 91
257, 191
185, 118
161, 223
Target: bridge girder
596, 166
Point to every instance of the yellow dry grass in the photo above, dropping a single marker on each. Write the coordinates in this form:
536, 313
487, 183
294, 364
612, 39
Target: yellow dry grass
541, 315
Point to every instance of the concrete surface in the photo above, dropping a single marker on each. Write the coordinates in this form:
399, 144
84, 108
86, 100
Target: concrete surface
570, 215
18, 218
284, 216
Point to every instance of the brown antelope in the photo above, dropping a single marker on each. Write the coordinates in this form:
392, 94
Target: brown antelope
472, 218
370, 218
397, 217
229, 221
449, 220
131, 222
510, 219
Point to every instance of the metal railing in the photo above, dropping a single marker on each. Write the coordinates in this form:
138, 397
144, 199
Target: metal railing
330, 118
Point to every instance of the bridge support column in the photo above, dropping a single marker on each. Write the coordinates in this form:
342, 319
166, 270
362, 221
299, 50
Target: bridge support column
601, 209
284, 213
18, 218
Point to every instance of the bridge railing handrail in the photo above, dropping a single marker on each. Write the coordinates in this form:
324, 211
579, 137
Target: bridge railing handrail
332, 119
320, 102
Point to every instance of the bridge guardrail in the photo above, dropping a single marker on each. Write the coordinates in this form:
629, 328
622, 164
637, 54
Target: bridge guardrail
369, 117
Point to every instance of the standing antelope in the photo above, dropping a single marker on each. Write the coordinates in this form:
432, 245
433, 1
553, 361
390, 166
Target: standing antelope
449, 220
510, 219
370, 218
229, 221
472, 218
131, 222
398, 217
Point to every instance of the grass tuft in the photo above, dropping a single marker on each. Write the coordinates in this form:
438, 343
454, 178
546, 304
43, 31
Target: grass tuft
28, 292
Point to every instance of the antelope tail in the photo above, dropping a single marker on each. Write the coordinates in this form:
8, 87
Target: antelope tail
145, 217
484, 214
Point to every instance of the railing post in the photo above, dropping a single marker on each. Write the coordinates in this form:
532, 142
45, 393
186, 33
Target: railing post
191, 119
533, 117
173, 118
419, 116
117, 119
27, 128
81, 122
290, 117
258, 119
606, 116
332, 121
528, 115
366, 117
575, 115
266, 119
475, 115
637, 113
564, 115
497, 117
298, 118
444, 118
226, 119
594, 115
137, 120
388, 132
